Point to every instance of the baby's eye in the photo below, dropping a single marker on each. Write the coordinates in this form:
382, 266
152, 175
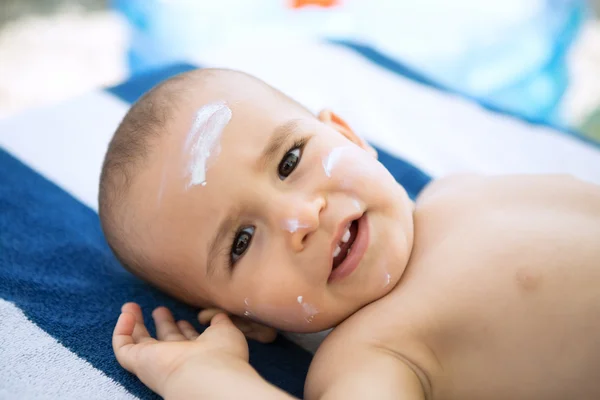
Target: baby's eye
240, 244
289, 163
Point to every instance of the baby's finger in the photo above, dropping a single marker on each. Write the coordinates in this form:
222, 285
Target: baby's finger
166, 329
207, 314
223, 334
140, 333
122, 339
122, 334
188, 330
134, 309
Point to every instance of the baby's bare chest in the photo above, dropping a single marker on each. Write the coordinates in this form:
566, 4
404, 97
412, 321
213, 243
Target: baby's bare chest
504, 302
521, 313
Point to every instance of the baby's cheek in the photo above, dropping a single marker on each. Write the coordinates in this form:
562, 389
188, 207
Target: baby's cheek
353, 170
284, 310
275, 291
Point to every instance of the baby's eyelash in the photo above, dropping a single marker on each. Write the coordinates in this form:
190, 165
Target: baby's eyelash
298, 144
229, 245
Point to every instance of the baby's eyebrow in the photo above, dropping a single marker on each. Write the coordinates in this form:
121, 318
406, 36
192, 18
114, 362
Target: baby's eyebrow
278, 138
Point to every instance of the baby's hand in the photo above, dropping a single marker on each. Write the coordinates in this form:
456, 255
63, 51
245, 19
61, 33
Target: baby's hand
252, 330
158, 362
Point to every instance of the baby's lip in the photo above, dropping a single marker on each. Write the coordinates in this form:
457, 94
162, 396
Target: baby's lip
341, 230
354, 256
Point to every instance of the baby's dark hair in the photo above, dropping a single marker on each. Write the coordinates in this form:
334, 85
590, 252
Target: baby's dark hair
145, 122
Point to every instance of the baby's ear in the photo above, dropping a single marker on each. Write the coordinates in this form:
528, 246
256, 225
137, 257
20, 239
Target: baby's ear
251, 329
330, 118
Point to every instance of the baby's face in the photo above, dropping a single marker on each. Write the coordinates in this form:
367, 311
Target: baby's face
256, 207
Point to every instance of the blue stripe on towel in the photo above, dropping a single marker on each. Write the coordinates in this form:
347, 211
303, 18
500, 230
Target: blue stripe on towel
410, 177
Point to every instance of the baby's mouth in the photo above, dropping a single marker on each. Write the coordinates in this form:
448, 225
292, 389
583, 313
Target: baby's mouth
344, 247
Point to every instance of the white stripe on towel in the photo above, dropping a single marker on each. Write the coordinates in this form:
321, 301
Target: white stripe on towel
66, 142
30, 359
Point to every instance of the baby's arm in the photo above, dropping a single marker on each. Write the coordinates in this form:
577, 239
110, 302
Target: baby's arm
222, 382
182, 364
362, 374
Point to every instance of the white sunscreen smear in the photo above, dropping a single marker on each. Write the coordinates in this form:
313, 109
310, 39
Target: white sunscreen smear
292, 225
332, 159
388, 278
203, 140
350, 164
265, 309
309, 310
247, 312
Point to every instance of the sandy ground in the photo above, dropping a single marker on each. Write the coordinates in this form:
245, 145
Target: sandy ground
51, 50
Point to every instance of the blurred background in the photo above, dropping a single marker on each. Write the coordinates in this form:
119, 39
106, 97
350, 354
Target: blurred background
536, 58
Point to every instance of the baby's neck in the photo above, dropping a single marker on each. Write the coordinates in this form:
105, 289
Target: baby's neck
308, 341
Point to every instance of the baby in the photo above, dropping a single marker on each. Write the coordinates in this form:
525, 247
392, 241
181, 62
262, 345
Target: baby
225, 193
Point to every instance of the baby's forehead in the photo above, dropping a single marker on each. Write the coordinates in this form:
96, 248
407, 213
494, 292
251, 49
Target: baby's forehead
253, 103
232, 124
219, 125
211, 143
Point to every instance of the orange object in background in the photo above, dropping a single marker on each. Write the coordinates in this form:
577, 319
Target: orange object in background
319, 3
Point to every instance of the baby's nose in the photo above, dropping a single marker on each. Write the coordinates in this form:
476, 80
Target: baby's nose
298, 231
300, 221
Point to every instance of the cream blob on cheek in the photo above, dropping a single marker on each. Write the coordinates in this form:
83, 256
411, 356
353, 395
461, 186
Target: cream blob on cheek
203, 141
388, 279
309, 310
287, 314
330, 161
352, 166
382, 273
247, 312
293, 224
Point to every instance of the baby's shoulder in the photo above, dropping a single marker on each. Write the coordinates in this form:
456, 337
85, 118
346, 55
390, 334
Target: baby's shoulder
359, 354
472, 188
446, 189
449, 183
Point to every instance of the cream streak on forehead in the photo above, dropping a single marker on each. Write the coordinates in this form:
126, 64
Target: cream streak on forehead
203, 140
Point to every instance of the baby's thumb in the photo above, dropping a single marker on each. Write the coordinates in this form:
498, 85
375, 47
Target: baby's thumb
221, 319
227, 329
223, 333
